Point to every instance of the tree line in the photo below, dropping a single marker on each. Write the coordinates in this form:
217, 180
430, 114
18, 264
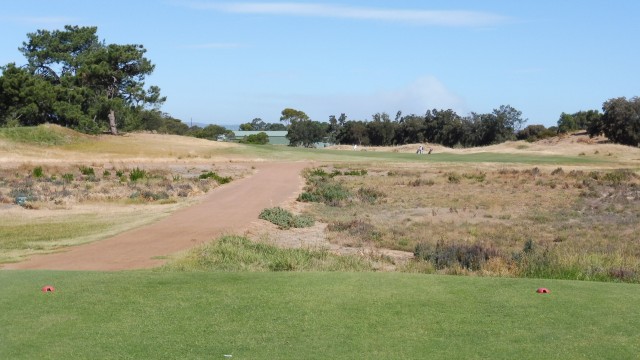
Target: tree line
74, 79
619, 122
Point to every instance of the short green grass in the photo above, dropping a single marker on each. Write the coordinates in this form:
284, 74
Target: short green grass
21, 235
285, 315
291, 153
41, 135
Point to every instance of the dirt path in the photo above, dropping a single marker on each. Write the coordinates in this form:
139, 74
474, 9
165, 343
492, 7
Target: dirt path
227, 209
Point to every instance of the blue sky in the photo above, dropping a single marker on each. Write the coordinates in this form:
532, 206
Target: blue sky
226, 62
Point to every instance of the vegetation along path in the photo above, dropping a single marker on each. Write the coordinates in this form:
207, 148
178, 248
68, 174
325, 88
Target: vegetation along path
227, 209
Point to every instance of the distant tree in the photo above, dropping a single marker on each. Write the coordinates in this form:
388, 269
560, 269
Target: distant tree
25, 99
510, 118
443, 127
210, 132
584, 118
291, 115
246, 127
533, 133
621, 120
260, 138
275, 127
411, 130
305, 132
74, 79
353, 132
381, 131
567, 123
258, 125
335, 127
172, 126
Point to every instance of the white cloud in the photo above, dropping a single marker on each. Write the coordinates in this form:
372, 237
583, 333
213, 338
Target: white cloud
412, 16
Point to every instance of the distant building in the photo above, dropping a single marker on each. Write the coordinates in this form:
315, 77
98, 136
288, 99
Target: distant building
275, 137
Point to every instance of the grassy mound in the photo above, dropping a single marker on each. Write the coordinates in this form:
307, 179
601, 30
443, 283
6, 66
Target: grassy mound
47, 134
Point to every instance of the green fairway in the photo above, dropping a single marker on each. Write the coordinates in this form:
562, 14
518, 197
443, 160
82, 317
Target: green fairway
197, 315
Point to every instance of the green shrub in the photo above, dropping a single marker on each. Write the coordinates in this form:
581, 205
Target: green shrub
285, 219
219, 179
260, 138
479, 176
362, 172
333, 193
317, 172
106, 173
370, 195
309, 197
88, 171
119, 173
618, 176
68, 177
38, 172
137, 174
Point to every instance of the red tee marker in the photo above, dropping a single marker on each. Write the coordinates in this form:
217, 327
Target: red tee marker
543, 291
48, 288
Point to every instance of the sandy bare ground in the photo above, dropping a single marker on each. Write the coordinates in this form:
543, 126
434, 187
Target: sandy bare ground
228, 209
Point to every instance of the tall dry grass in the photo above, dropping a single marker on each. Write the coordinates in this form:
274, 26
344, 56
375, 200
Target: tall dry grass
583, 224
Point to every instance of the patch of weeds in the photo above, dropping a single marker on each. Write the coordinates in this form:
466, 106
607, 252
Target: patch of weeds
622, 274
285, 219
38, 172
618, 177
558, 171
87, 171
317, 172
137, 174
467, 256
323, 189
234, 253
534, 172
119, 173
68, 177
149, 195
453, 177
106, 173
479, 176
421, 182
219, 179
361, 172
359, 228
369, 195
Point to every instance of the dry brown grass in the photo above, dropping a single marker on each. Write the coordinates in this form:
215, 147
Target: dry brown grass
65, 207
587, 222
586, 219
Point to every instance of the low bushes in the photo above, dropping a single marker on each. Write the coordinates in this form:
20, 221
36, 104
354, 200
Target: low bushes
285, 219
219, 179
236, 253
